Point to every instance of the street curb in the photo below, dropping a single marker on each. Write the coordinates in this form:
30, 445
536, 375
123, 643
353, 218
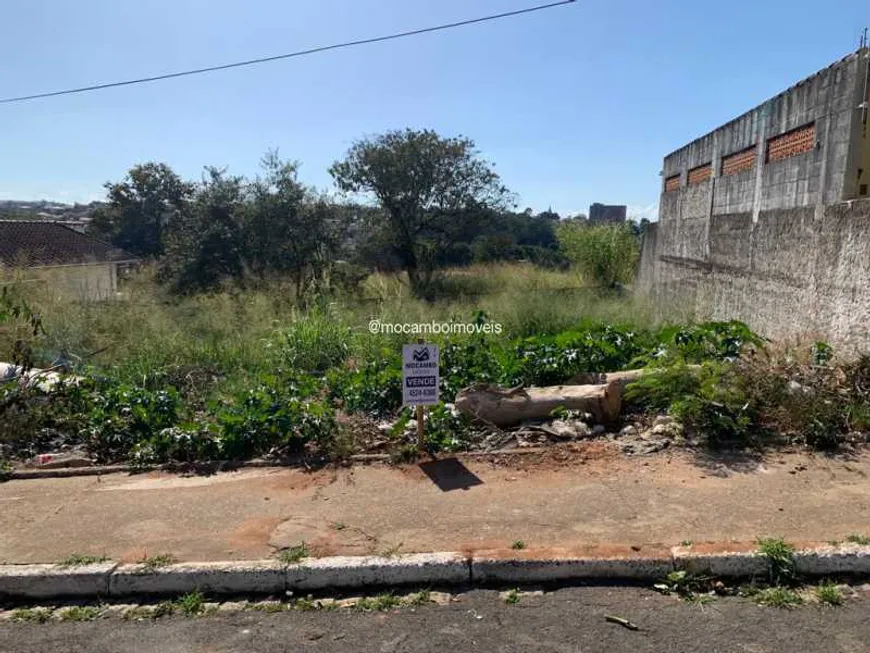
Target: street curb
254, 577
229, 466
499, 568
270, 577
55, 581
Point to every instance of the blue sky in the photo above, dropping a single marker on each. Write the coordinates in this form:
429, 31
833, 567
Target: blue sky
575, 104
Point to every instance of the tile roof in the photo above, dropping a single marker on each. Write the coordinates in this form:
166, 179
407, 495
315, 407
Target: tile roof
33, 243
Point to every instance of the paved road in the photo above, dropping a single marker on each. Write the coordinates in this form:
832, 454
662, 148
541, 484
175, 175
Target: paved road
566, 621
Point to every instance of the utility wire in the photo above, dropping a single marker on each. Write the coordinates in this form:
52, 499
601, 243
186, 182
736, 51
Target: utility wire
290, 55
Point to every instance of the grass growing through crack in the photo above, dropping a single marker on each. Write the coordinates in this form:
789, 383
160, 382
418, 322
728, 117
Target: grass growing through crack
423, 597
294, 554
78, 560
518, 545
80, 613
859, 539
780, 556
191, 604
392, 551
157, 561
829, 593
379, 603
32, 615
778, 597
512, 597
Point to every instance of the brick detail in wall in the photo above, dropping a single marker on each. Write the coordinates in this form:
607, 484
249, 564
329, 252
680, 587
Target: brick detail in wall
739, 161
701, 173
672, 183
797, 141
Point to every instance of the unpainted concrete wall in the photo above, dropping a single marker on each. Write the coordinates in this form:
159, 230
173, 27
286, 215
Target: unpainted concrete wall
790, 274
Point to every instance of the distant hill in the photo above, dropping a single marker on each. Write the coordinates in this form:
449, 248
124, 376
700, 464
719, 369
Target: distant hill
45, 210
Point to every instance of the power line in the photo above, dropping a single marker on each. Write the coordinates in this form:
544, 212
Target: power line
290, 55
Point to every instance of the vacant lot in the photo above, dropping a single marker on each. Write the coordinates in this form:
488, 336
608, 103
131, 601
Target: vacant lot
249, 372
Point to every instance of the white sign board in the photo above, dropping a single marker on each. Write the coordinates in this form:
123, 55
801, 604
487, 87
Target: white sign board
420, 375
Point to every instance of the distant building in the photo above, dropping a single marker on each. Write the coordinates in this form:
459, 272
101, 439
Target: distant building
79, 266
607, 213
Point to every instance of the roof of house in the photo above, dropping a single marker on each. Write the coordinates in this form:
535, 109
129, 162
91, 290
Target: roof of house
35, 243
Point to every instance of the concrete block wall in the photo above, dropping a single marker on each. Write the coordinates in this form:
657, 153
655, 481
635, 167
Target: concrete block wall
789, 275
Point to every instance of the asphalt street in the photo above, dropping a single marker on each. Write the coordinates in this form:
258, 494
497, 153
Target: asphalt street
569, 620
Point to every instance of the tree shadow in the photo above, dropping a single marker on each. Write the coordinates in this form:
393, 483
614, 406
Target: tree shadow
450, 474
724, 461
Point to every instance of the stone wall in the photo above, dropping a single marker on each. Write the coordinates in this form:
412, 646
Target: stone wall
792, 273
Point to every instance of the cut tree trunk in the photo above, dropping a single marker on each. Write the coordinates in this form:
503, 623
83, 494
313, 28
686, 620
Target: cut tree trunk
492, 404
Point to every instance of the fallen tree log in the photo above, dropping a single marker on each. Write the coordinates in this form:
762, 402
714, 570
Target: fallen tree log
509, 407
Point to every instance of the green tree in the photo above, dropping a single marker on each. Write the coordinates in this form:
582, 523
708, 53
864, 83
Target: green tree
290, 229
427, 185
206, 243
140, 209
607, 254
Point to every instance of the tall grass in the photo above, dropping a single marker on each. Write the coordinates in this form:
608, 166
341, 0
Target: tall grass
240, 333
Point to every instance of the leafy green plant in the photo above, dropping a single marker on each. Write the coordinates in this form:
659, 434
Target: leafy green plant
685, 585
780, 557
863, 540
512, 597
191, 604
518, 545
778, 597
276, 414
829, 593
380, 603
5, 470
375, 387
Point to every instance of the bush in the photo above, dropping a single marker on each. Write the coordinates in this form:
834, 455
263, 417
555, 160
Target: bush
314, 341
708, 400
279, 416
607, 254
374, 388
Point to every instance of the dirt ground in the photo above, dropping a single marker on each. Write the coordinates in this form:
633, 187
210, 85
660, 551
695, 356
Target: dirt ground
580, 498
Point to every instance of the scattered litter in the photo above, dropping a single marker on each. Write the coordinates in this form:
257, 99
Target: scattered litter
625, 623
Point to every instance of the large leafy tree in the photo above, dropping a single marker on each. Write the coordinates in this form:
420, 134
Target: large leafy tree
206, 243
290, 230
427, 186
141, 208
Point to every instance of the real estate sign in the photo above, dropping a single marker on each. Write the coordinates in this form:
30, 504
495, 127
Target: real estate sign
420, 375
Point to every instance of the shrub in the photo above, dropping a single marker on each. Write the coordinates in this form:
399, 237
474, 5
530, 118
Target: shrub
374, 388
314, 341
118, 416
607, 254
279, 414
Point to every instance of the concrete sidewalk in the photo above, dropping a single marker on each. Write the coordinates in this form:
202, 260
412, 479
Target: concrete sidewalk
586, 496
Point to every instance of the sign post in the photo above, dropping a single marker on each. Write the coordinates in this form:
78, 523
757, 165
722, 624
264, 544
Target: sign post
420, 381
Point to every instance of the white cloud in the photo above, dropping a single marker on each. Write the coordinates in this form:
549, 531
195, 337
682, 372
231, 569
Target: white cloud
639, 212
